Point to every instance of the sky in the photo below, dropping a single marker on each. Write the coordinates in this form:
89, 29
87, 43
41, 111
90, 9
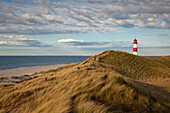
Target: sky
84, 27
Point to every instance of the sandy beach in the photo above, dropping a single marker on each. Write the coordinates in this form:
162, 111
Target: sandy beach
31, 70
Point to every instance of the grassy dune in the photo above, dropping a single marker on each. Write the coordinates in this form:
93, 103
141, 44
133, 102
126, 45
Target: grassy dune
105, 83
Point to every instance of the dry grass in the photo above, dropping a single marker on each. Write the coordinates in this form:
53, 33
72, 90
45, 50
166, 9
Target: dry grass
89, 87
135, 66
3, 78
58, 69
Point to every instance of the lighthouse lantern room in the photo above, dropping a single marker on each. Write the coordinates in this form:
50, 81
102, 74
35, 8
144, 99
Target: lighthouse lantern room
135, 49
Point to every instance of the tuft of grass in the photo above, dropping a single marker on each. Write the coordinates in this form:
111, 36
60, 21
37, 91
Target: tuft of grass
14, 81
26, 75
15, 77
35, 73
25, 79
35, 77
3, 78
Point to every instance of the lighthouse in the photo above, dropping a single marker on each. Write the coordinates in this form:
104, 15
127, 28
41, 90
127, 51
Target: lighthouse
135, 49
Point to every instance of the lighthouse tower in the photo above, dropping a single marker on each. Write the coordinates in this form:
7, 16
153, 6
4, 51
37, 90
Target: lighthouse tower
135, 49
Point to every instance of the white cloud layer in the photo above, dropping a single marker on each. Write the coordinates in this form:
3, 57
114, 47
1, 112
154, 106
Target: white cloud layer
20, 40
73, 43
81, 16
69, 40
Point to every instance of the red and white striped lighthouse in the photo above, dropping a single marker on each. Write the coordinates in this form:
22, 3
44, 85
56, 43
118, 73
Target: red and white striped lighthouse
135, 49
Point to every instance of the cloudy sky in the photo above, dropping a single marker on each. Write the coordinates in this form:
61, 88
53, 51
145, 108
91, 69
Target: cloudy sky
84, 27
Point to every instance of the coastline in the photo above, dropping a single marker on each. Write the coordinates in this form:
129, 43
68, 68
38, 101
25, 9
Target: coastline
28, 71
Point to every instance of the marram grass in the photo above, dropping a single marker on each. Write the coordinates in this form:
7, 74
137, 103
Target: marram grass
101, 84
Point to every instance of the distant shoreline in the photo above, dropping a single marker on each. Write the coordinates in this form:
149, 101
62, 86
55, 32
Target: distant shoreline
29, 70
19, 62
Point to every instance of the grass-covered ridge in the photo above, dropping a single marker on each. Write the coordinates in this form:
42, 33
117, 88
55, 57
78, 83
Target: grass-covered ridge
135, 66
92, 86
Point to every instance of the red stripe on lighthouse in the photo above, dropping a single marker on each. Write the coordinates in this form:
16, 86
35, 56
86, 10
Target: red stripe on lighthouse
135, 43
135, 50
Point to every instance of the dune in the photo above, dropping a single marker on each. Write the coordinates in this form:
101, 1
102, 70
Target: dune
112, 81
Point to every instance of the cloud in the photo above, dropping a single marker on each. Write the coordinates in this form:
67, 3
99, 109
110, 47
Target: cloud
20, 40
4, 43
155, 46
73, 43
69, 40
34, 17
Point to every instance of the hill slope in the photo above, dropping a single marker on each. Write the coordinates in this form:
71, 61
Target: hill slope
134, 66
99, 84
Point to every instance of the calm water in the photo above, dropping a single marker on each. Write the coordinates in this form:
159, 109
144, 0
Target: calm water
13, 62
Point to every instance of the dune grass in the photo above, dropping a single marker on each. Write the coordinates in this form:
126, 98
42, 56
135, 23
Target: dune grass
94, 86
134, 66
3, 78
15, 77
58, 69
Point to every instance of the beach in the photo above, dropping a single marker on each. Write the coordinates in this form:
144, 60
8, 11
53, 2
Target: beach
28, 71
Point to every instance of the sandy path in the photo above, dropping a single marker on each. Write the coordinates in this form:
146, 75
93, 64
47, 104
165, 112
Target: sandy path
23, 71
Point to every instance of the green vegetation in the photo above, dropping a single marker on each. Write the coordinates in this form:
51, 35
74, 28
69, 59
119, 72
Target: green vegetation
98, 85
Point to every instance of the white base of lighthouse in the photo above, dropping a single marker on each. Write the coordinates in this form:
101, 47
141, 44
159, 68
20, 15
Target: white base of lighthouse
135, 53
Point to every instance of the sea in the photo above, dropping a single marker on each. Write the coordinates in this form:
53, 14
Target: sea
15, 62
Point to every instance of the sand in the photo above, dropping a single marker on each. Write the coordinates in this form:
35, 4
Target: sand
28, 71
